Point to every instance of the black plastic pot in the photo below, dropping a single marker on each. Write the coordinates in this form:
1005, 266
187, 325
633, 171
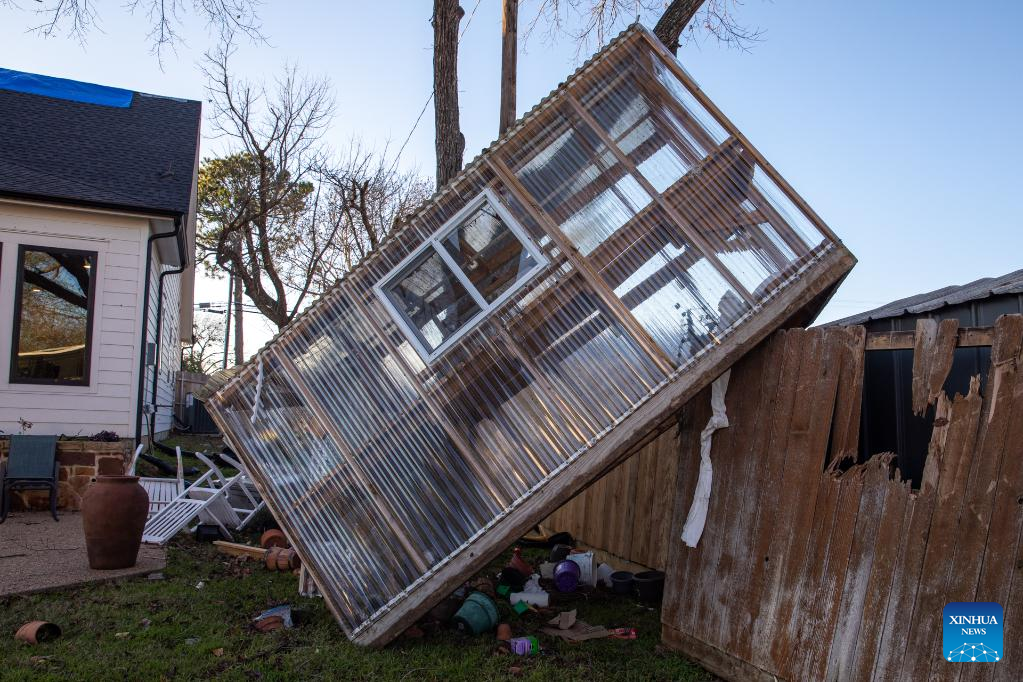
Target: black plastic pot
559, 552
649, 585
621, 582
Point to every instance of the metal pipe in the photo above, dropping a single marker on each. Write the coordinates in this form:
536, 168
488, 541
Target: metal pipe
176, 233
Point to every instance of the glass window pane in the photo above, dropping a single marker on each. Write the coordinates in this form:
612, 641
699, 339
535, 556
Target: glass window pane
53, 316
489, 253
431, 299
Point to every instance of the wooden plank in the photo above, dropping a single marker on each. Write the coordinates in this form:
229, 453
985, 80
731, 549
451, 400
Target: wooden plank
932, 360
771, 500
874, 475
758, 375
967, 337
830, 541
882, 571
952, 444
1001, 579
733, 466
993, 444
845, 423
805, 462
683, 585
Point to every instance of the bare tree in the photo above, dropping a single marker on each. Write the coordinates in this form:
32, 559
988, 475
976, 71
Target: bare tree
677, 20
255, 204
204, 355
76, 18
361, 197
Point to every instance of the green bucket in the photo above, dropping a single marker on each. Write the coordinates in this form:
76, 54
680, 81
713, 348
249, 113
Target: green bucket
477, 615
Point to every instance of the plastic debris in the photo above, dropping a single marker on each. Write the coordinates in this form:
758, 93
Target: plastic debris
524, 646
274, 619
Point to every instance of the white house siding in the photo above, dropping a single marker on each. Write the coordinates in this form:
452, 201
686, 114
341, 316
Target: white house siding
107, 403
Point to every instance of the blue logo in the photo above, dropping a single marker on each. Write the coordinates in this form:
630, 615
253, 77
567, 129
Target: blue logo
972, 632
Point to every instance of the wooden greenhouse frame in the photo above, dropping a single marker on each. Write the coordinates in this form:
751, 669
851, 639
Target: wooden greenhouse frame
483, 366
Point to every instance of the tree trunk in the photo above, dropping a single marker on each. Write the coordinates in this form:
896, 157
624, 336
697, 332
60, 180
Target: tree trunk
674, 20
239, 336
450, 143
509, 56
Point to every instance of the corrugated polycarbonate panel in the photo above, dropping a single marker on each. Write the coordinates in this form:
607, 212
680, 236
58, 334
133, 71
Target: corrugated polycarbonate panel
659, 233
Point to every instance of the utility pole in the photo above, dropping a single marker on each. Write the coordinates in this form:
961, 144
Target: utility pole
509, 56
239, 338
227, 318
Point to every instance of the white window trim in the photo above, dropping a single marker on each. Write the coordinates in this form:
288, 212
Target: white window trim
487, 196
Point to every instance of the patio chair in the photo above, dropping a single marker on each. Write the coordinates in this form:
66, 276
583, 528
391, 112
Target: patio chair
31, 465
161, 490
243, 497
209, 499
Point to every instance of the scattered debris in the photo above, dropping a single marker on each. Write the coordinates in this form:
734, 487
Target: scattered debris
477, 615
208, 532
273, 538
145, 623
567, 627
199, 585
218, 652
192, 641
156, 576
274, 619
566, 575
37, 631
524, 646
122, 635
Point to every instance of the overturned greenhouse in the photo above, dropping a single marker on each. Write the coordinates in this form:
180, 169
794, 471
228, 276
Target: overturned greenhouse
536, 321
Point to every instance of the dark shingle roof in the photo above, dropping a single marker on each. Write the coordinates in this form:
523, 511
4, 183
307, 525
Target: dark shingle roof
1011, 283
138, 157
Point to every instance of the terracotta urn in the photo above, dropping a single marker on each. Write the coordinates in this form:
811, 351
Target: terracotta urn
114, 510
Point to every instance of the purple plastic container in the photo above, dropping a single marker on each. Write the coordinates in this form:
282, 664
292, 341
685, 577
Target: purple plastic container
566, 576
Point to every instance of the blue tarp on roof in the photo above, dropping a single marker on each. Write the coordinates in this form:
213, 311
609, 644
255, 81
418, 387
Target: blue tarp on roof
63, 88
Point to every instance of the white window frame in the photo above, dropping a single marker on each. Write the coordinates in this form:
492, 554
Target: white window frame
487, 196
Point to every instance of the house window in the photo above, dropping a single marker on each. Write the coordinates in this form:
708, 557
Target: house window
53, 309
467, 268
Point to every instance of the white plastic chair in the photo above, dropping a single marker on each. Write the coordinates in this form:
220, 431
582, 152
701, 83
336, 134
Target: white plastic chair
162, 491
243, 496
206, 498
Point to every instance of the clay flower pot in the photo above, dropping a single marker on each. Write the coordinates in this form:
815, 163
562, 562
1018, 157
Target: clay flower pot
273, 538
37, 631
114, 511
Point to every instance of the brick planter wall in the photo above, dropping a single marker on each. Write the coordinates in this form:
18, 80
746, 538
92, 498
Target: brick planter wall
80, 461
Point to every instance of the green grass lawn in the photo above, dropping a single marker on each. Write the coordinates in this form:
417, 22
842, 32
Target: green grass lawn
169, 629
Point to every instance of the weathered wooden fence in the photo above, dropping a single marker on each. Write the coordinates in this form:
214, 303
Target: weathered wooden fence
812, 566
628, 512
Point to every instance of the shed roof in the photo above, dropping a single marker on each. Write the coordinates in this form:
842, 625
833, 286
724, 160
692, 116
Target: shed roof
985, 287
78, 143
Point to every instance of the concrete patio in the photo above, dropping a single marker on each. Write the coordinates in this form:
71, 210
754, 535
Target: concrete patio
37, 553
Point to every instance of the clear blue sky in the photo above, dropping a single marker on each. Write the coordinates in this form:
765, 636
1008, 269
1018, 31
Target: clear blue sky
898, 121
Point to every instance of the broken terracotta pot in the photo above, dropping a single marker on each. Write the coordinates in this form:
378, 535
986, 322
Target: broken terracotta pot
282, 559
37, 631
273, 538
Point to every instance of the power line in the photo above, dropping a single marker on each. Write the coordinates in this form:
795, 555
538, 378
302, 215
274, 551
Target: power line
432, 93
